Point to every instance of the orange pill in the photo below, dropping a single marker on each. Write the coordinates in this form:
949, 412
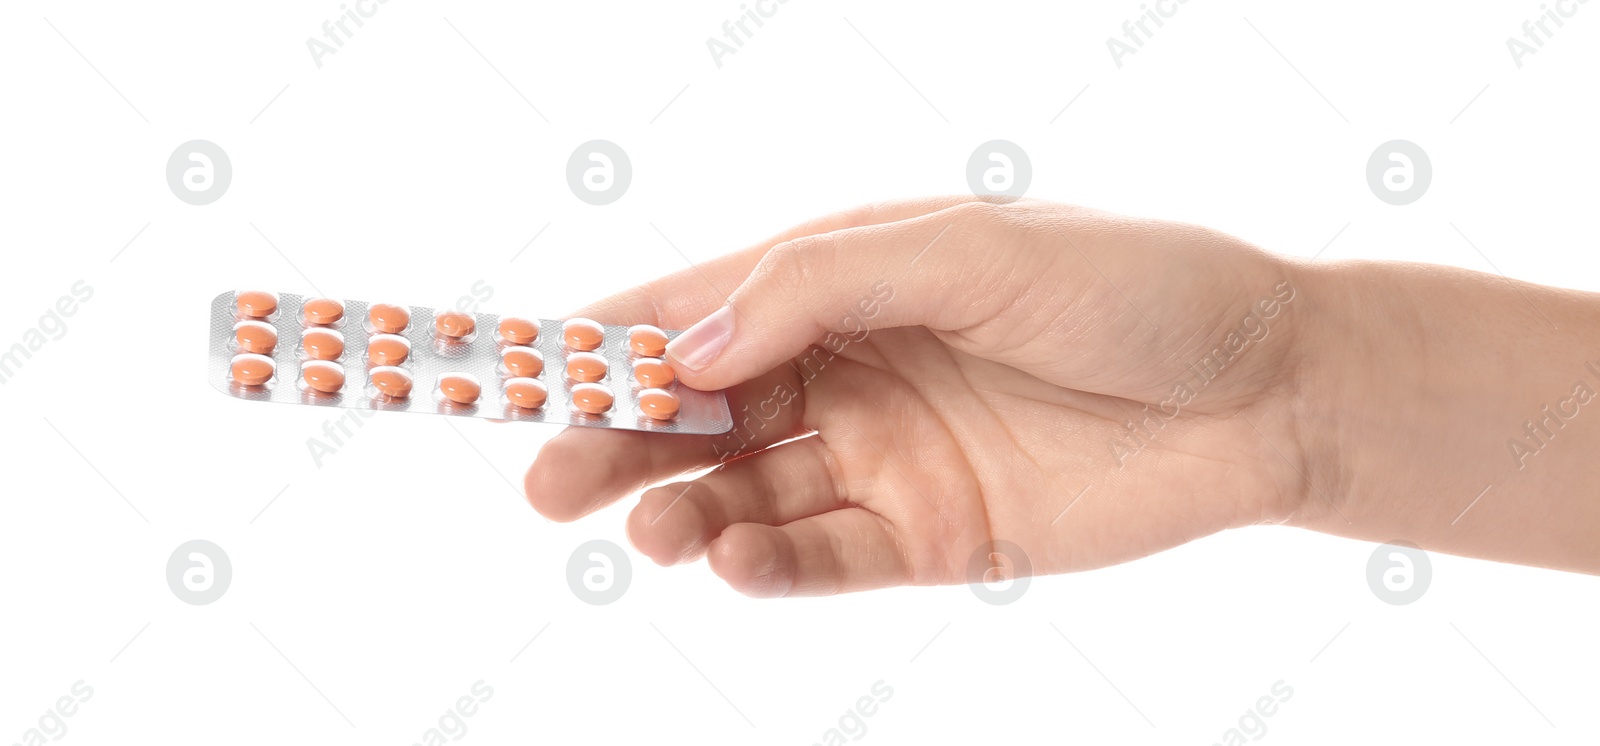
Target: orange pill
323, 376
586, 367
388, 349
527, 393
518, 331
652, 373
658, 404
523, 362
647, 341
388, 319
582, 334
322, 344
592, 398
256, 304
251, 369
461, 388
255, 336
321, 311
454, 324
390, 381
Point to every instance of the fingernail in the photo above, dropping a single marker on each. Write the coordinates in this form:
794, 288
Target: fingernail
697, 347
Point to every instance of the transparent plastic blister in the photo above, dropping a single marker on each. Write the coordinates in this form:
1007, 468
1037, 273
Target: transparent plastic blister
456, 363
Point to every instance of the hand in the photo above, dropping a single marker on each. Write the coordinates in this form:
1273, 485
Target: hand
914, 380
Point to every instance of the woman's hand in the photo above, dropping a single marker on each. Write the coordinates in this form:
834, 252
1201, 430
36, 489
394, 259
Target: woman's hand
914, 381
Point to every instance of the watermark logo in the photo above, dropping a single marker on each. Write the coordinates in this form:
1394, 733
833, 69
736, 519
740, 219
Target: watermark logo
1141, 28
1252, 725
599, 572
337, 30
599, 172
199, 572
999, 168
51, 327
1399, 572
1539, 432
1399, 172
852, 725
737, 32
998, 572
453, 723
199, 172
52, 725
1539, 31
809, 365
1253, 329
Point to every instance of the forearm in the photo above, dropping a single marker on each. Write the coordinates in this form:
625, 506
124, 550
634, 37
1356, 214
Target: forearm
1456, 410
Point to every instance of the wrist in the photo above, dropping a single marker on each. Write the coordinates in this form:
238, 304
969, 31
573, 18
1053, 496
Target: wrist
1415, 385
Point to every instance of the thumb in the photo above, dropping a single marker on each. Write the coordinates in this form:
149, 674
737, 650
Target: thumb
833, 289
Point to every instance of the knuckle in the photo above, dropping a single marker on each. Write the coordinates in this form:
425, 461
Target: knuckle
798, 263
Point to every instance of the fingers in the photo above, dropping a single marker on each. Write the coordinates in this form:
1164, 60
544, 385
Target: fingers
583, 469
676, 522
828, 288
850, 549
686, 296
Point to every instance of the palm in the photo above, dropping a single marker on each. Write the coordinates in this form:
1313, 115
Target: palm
954, 451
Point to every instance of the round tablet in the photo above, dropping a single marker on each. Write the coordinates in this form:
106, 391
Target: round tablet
251, 369
454, 324
586, 367
518, 331
391, 381
461, 388
582, 334
647, 341
527, 393
323, 376
321, 311
322, 344
388, 349
658, 404
523, 362
652, 373
388, 319
591, 397
255, 304
255, 336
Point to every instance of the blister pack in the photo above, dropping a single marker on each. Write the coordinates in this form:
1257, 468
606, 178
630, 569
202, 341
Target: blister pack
327, 352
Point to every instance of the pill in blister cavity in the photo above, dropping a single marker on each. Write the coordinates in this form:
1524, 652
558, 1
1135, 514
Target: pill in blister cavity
652, 373
582, 334
388, 319
322, 311
454, 324
256, 304
523, 362
586, 367
322, 344
461, 388
390, 381
255, 336
251, 369
658, 404
647, 341
388, 349
592, 398
323, 376
526, 393
518, 331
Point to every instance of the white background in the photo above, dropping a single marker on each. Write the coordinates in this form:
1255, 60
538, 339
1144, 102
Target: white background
370, 593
